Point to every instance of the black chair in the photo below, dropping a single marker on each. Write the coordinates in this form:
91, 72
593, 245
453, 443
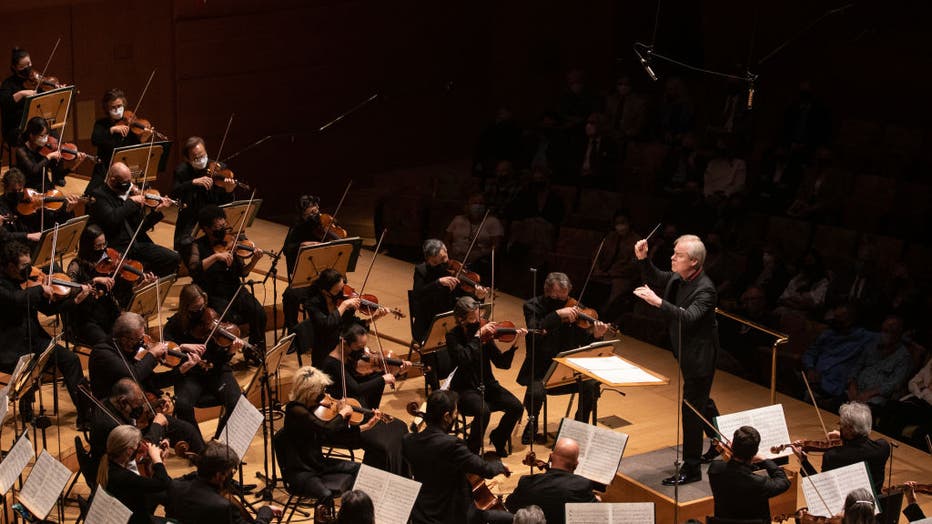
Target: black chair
890, 505
337, 483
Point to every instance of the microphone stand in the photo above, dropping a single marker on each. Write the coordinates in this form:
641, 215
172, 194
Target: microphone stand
677, 463
531, 417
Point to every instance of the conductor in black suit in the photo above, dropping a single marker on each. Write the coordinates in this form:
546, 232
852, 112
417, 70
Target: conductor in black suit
739, 493
687, 299
553, 489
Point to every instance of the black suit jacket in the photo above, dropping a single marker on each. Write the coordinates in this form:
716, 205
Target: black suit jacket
102, 424
874, 452
139, 494
697, 298
430, 298
20, 331
739, 493
194, 501
560, 337
106, 367
474, 360
551, 491
119, 218
440, 462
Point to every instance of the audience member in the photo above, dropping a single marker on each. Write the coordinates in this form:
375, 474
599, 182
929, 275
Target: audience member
831, 358
627, 111
596, 155
913, 409
617, 266
725, 174
577, 102
822, 191
805, 293
502, 189
882, 368
500, 141
464, 228
677, 116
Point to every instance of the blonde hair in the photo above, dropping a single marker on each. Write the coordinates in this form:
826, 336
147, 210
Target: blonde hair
309, 385
121, 439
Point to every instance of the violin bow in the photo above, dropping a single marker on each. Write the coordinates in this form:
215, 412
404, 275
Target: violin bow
337, 210
47, 63
225, 311
595, 260
816, 406
224, 139
725, 439
148, 158
242, 222
116, 270
133, 376
48, 277
472, 243
143, 95
87, 393
375, 329
492, 288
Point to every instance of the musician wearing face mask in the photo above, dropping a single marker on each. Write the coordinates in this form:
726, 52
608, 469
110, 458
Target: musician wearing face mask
13, 92
28, 228
35, 165
119, 210
109, 134
125, 404
307, 231
194, 187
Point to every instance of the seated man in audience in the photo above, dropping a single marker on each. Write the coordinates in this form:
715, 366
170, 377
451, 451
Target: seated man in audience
830, 359
739, 493
915, 408
553, 489
882, 368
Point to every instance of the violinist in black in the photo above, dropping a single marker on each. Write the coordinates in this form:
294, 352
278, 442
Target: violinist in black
109, 134
35, 165
194, 187
217, 381
28, 228
218, 272
13, 91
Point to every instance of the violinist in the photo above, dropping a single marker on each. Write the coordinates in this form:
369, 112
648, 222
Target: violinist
550, 313
28, 228
739, 493
126, 404
307, 231
119, 210
194, 187
440, 462
559, 485
36, 157
119, 474
218, 271
473, 352
108, 134
218, 381
127, 355
13, 92
22, 333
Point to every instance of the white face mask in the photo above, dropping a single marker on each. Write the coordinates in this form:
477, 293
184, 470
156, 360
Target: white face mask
200, 163
116, 113
42, 140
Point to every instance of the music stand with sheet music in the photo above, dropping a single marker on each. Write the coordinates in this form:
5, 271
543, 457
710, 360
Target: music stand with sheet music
442, 323
135, 156
69, 234
51, 105
145, 302
234, 212
33, 374
312, 260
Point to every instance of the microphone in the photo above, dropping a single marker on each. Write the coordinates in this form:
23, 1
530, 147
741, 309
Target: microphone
751, 78
645, 63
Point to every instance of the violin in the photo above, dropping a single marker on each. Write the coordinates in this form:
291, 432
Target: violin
818, 446
41, 83
586, 317
53, 200
153, 198
330, 225
723, 449
69, 152
173, 358
328, 408
804, 517
925, 489
505, 331
140, 127
130, 270
61, 284
368, 304
376, 360
225, 333
532, 461
242, 248
469, 280
224, 177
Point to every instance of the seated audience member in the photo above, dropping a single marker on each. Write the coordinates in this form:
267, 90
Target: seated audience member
617, 265
738, 492
859, 507
882, 368
501, 189
596, 155
557, 486
120, 475
627, 111
913, 409
821, 192
535, 218
463, 228
356, 508
831, 358
742, 342
805, 293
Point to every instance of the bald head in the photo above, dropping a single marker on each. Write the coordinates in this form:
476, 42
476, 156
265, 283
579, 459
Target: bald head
118, 177
565, 454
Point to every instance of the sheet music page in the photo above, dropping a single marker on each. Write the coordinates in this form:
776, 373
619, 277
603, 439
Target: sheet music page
241, 427
393, 496
633, 513
107, 510
45, 483
609, 513
21, 365
769, 421
14, 462
834, 486
613, 369
600, 449
4, 403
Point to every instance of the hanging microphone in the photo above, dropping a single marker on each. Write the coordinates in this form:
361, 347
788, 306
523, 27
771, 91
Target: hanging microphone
751, 78
645, 63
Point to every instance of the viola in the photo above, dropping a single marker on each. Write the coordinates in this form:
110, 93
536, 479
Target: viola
925, 489
173, 358
333, 230
225, 333
807, 446
53, 200
804, 517
368, 304
376, 360
469, 280
41, 83
532, 461
140, 127
224, 177
586, 317
153, 198
328, 408
69, 151
130, 271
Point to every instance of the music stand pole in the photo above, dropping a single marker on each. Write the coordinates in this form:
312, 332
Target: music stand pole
531, 418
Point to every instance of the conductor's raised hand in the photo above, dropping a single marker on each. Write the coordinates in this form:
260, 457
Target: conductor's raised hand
640, 249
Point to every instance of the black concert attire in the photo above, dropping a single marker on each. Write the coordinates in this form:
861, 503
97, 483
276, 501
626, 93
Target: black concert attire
473, 361
861, 449
10, 110
308, 230
194, 197
304, 465
91, 321
21, 334
913, 512
692, 304
107, 365
192, 500
321, 331
217, 382
440, 462
220, 282
34, 166
139, 494
541, 313
551, 491
106, 142
119, 217
26, 224
739, 493
102, 424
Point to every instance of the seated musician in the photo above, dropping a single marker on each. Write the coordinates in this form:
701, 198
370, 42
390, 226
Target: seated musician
35, 165
13, 93
329, 314
218, 272
126, 355
28, 228
91, 322
855, 422
22, 334
739, 493
218, 381
550, 313
440, 462
479, 391
109, 133
194, 187
126, 405
553, 489
119, 474
199, 498
119, 209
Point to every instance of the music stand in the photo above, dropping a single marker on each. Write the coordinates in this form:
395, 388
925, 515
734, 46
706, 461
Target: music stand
50, 105
312, 260
145, 302
31, 374
442, 323
69, 234
135, 159
271, 362
234, 212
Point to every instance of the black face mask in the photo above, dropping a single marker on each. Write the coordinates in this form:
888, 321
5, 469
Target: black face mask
98, 254
553, 303
219, 234
471, 328
122, 187
25, 272
23, 73
195, 317
135, 412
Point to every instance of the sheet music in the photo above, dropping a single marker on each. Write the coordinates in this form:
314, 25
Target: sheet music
392, 496
14, 462
600, 449
241, 427
21, 365
927, 520
107, 510
769, 421
834, 486
609, 513
45, 483
4, 402
613, 369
